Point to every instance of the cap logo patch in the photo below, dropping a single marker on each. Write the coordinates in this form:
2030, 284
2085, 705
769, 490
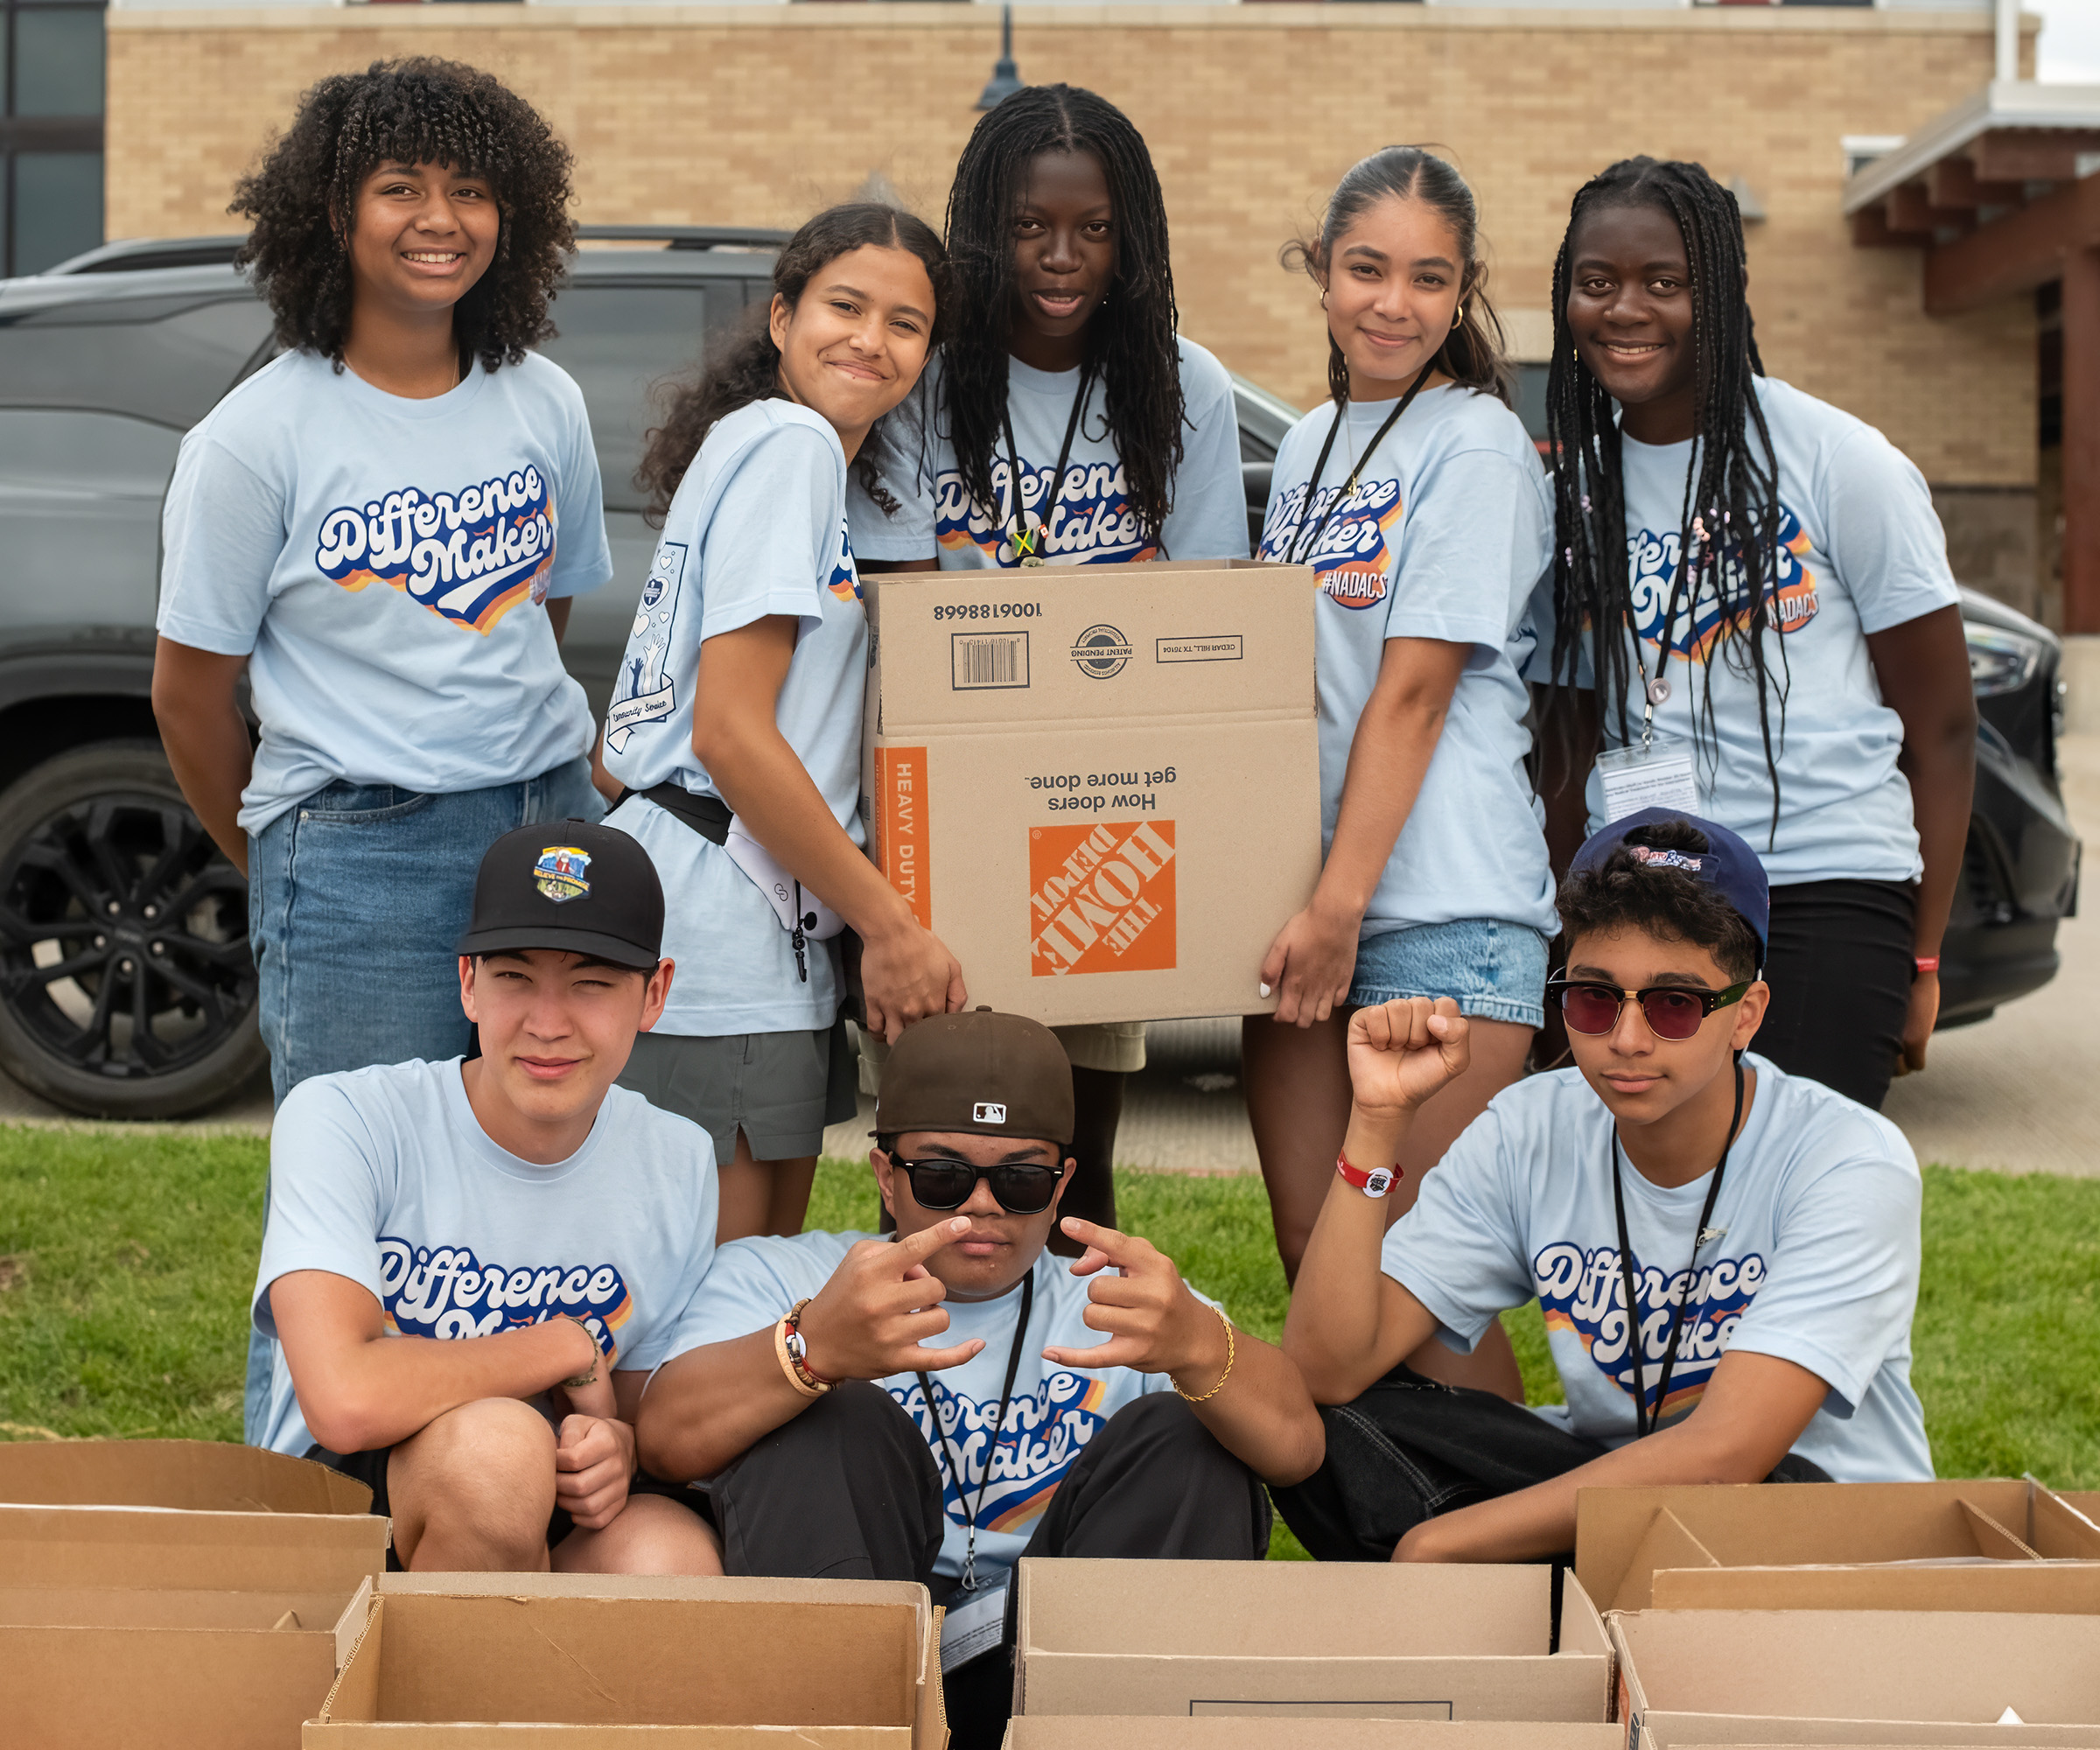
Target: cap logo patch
1667, 859
988, 1112
560, 873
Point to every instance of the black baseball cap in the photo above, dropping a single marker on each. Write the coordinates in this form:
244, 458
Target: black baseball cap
1728, 865
979, 1073
571, 885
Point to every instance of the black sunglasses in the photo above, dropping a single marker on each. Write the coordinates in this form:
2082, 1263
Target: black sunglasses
1673, 1012
949, 1183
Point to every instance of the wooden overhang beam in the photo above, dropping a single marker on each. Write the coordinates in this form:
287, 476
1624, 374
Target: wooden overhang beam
2014, 253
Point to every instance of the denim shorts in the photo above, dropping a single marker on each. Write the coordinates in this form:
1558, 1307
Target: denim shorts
1497, 971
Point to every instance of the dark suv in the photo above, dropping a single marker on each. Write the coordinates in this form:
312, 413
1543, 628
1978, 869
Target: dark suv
126, 986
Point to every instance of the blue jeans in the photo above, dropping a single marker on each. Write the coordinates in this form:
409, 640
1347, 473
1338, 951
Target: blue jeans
356, 898
1496, 971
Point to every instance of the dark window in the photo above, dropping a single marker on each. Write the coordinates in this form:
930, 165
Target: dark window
51, 131
166, 359
1531, 399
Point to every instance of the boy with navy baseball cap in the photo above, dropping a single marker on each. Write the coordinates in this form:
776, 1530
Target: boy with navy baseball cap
1764, 1230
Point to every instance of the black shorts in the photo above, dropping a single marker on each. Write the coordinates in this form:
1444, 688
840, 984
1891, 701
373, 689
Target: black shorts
370, 1469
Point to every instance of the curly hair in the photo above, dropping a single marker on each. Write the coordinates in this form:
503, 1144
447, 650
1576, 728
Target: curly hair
1130, 338
303, 200
748, 366
1624, 893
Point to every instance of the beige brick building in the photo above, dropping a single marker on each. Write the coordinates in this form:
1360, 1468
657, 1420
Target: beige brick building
759, 113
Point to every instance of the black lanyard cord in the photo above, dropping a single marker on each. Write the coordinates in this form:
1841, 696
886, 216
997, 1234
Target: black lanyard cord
1300, 547
1644, 1423
954, 1463
1024, 545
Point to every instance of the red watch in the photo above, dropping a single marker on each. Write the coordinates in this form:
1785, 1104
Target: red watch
1375, 1183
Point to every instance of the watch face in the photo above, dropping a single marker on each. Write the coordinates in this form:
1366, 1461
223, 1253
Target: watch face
1378, 1181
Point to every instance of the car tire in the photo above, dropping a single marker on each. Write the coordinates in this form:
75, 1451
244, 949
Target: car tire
127, 987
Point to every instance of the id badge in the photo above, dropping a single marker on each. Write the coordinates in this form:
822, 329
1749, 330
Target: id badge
971, 1630
1654, 774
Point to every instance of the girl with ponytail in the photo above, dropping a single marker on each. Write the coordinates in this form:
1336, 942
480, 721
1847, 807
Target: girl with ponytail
1420, 504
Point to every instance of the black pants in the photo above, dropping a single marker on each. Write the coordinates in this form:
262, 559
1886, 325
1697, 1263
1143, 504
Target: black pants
1840, 966
1410, 1449
848, 1490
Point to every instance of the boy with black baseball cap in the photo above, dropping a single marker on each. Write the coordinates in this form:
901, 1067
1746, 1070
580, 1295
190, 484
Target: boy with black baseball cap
936, 1404
1765, 1227
471, 1266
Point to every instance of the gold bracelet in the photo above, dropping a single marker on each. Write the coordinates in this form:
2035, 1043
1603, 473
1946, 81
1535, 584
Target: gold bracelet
788, 1321
1230, 1355
590, 1377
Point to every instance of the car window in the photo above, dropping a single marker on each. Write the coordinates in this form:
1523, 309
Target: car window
163, 359
47, 452
619, 339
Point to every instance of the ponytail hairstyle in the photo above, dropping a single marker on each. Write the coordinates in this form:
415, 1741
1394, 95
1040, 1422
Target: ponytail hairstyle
747, 366
1728, 522
1475, 353
1130, 338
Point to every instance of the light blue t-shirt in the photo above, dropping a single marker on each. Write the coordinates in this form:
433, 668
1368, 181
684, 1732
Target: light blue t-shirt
385, 564
386, 1177
1445, 538
1860, 550
757, 528
1052, 1415
1090, 522
1815, 1260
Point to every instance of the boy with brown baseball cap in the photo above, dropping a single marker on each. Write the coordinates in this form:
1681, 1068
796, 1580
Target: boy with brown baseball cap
935, 1405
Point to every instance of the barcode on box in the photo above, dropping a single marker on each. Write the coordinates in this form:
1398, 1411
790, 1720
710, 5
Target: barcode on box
993, 659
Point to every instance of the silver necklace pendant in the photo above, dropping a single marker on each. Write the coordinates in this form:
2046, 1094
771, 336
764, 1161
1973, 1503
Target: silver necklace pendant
1658, 691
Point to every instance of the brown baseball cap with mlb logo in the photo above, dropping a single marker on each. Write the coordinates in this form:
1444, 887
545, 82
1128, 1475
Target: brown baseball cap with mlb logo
570, 886
978, 1073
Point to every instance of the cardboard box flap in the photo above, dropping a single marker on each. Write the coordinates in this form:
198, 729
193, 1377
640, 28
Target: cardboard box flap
190, 1550
2065, 1588
62, 1607
1993, 1539
2059, 1531
1162, 1731
204, 1476
1665, 1544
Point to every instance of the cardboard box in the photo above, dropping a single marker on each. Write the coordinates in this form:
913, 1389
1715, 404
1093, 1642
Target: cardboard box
1164, 1732
1625, 1538
1332, 1641
208, 1476
1881, 1677
1099, 785
121, 1627
462, 1662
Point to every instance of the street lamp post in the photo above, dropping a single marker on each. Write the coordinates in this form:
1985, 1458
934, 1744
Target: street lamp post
1006, 77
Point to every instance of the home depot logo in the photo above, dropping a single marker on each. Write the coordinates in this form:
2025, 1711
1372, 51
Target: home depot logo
1101, 898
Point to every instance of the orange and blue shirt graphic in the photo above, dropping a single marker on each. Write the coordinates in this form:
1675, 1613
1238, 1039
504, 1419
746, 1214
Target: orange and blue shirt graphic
1353, 556
469, 555
1651, 568
1044, 1433
446, 1291
1090, 523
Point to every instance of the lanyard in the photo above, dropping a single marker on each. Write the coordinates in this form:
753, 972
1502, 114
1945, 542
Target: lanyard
1025, 537
1644, 1423
1298, 548
1656, 692
955, 1464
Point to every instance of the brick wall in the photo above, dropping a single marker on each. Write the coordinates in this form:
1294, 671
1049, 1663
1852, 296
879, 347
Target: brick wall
757, 115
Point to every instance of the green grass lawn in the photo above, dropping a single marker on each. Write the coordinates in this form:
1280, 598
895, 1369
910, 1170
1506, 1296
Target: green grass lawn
126, 1263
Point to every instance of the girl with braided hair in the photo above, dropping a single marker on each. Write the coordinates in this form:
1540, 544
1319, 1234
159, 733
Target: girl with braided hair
1065, 421
1753, 620
1420, 504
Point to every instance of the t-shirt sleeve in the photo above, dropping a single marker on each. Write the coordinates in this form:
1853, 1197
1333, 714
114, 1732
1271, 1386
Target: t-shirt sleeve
656, 1345
741, 1291
1843, 1282
325, 1194
903, 469
1460, 1250
1883, 534
222, 532
1208, 520
773, 534
583, 556
1471, 545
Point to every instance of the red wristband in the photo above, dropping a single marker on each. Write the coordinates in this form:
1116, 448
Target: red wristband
1927, 962
1374, 1183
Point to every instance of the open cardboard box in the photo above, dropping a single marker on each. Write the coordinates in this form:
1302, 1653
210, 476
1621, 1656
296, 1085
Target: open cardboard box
208, 1476
1162, 1731
1879, 1677
468, 1662
1333, 1640
1099, 785
1628, 1539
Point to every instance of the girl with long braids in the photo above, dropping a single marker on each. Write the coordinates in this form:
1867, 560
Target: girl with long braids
1420, 504
736, 728
1753, 620
1065, 421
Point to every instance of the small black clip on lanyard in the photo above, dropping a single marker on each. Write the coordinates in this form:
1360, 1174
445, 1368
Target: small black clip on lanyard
1299, 548
955, 1464
1644, 1424
1025, 538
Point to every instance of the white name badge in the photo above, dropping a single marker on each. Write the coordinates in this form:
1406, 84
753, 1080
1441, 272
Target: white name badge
1656, 774
972, 1629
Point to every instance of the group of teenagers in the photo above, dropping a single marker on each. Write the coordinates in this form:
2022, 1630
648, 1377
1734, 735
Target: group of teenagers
554, 1006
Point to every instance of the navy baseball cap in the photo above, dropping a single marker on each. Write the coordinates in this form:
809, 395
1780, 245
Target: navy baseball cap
572, 885
1727, 865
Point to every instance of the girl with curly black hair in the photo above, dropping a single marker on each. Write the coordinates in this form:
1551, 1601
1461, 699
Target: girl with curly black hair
383, 526
1752, 605
735, 727
1066, 422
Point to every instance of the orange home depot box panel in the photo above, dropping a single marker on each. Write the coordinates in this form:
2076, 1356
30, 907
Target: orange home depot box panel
1098, 785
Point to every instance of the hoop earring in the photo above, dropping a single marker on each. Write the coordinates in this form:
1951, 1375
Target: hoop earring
1458, 320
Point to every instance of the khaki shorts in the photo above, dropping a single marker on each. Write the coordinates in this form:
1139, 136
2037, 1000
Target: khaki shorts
1114, 1045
